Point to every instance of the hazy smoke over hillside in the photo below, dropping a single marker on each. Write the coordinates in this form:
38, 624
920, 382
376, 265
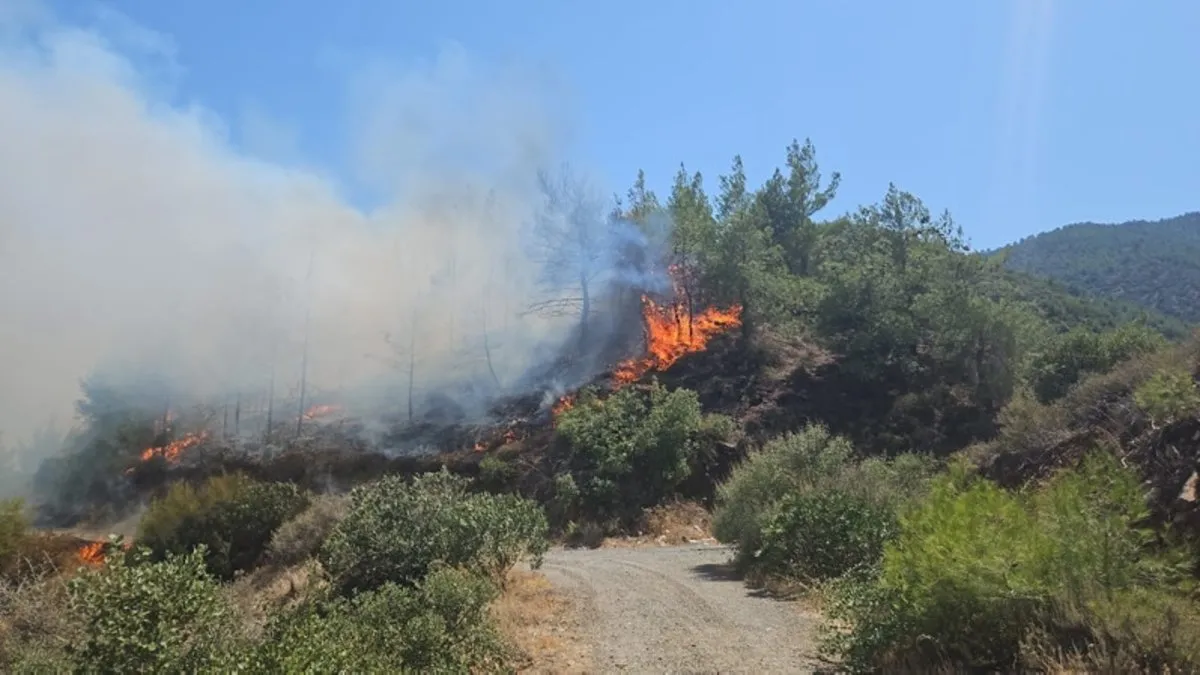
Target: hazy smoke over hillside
134, 237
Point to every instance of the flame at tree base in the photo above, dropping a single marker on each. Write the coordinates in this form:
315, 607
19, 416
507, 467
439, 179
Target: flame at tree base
174, 449
671, 333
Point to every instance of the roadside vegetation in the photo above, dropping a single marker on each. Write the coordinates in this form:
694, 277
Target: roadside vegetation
967, 468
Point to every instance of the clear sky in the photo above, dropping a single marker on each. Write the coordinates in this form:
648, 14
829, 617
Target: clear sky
1016, 115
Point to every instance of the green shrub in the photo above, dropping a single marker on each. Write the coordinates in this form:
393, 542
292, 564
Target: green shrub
785, 465
1168, 396
496, 474
301, 537
14, 531
397, 531
441, 625
1068, 357
803, 507
142, 616
632, 449
823, 534
233, 516
977, 571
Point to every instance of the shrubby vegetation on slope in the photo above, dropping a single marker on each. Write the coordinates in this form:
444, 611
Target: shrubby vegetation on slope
630, 451
411, 568
983, 578
398, 532
234, 517
1019, 560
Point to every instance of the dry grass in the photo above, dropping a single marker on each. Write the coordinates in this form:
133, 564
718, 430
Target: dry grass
671, 524
267, 590
542, 623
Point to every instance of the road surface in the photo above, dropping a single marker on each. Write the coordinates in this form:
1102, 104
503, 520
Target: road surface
679, 609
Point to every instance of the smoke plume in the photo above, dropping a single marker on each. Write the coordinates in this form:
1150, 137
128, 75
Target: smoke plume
136, 239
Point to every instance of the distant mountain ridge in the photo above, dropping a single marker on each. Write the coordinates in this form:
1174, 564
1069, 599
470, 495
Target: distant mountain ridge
1155, 264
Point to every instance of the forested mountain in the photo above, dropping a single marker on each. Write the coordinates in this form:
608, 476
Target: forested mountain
1154, 264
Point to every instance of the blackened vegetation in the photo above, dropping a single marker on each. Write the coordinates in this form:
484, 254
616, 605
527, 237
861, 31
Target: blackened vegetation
1103, 413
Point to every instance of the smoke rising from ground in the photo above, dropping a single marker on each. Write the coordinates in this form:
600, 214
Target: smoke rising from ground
135, 238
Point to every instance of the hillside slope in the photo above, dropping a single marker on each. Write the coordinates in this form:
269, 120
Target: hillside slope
1154, 264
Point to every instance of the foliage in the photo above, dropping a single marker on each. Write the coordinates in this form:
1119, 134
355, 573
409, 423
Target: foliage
1168, 396
14, 528
630, 450
144, 616
976, 571
440, 625
823, 534
1152, 264
804, 507
233, 516
1069, 356
496, 474
301, 537
397, 532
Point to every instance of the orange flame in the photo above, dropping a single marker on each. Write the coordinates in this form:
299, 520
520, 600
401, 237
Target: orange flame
564, 404
172, 450
320, 411
669, 336
92, 554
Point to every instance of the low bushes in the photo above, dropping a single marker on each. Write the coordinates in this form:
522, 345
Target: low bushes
629, 451
233, 516
439, 625
301, 537
981, 578
397, 531
14, 528
139, 616
413, 568
803, 507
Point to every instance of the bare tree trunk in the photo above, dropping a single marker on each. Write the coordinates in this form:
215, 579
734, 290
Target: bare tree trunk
585, 309
487, 350
304, 352
412, 361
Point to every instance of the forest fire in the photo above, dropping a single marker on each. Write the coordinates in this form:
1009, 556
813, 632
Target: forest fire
174, 449
92, 553
565, 403
320, 411
670, 335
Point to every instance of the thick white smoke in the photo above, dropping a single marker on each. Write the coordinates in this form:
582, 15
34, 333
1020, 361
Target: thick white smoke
134, 235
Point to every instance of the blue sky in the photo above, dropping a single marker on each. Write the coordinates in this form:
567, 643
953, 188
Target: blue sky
1016, 115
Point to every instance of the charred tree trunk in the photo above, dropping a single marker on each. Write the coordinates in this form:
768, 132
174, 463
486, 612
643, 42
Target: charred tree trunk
585, 310
412, 363
304, 351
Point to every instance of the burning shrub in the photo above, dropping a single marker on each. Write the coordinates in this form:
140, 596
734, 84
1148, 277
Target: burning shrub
397, 531
233, 516
441, 625
631, 450
301, 537
139, 616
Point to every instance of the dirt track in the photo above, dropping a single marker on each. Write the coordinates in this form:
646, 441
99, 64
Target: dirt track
679, 610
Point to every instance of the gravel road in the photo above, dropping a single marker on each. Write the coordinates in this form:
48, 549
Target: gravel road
679, 610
